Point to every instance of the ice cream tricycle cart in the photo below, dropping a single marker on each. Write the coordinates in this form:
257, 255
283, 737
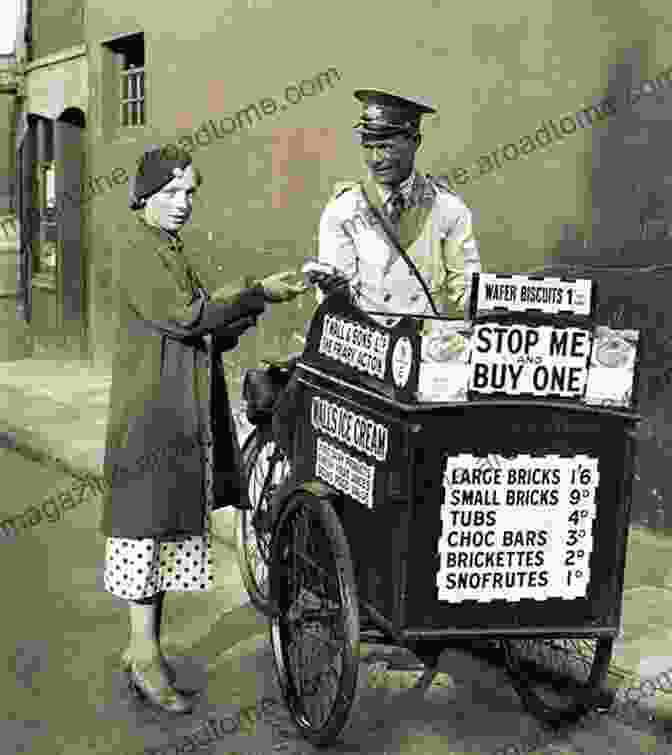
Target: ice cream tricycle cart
448, 484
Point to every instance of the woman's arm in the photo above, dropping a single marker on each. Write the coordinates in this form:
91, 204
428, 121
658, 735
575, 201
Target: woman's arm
153, 293
234, 304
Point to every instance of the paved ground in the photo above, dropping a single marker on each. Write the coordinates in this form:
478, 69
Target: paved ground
64, 695
65, 633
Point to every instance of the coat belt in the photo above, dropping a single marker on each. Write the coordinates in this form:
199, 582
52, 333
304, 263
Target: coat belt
183, 335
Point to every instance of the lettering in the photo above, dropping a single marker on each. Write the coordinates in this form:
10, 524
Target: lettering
355, 345
356, 431
520, 528
345, 473
517, 293
540, 360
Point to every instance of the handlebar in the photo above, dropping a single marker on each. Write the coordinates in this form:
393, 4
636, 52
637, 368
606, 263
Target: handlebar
286, 364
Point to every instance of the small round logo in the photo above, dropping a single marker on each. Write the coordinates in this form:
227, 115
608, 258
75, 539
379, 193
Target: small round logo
445, 347
402, 359
613, 352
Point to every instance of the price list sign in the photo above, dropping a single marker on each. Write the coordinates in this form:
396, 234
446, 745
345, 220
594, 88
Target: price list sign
516, 528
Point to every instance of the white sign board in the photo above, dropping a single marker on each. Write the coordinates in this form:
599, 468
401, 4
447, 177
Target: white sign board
539, 360
516, 528
611, 375
444, 361
355, 345
598, 367
345, 473
342, 424
517, 293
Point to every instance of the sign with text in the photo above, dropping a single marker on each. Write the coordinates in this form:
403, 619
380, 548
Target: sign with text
347, 474
597, 366
355, 345
522, 359
518, 528
351, 475
344, 425
519, 293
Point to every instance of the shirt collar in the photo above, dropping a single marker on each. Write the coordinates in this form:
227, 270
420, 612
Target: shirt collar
174, 242
406, 188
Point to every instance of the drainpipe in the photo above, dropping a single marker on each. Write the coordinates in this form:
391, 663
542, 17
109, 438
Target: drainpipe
28, 31
24, 55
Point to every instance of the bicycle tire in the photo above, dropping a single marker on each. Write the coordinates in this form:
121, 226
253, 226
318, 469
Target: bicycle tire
534, 674
330, 554
253, 548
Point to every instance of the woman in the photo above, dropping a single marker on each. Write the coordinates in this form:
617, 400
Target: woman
171, 454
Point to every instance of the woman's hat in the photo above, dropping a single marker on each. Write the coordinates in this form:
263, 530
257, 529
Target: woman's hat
157, 167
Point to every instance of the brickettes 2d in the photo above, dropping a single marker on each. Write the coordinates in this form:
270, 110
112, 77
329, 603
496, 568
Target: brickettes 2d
355, 345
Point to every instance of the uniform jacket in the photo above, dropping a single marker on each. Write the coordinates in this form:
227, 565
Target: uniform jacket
435, 231
163, 392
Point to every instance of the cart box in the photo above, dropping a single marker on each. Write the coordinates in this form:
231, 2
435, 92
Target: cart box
490, 514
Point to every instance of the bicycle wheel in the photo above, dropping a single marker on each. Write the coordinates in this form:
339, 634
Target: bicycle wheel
558, 681
315, 637
264, 467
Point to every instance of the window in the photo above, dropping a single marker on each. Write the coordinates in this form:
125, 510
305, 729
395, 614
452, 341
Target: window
48, 214
133, 85
46, 246
127, 79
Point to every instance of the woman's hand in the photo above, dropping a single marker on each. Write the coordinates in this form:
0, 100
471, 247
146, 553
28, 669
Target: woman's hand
279, 288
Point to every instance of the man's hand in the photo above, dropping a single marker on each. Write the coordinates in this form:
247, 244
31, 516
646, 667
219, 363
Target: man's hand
279, 288
325, 276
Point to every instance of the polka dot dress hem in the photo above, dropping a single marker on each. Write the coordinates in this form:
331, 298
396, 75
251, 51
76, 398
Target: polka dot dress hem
140, 568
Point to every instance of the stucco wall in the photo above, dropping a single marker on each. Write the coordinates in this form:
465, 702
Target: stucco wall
495, 73
57, 24
7, 161
54, 87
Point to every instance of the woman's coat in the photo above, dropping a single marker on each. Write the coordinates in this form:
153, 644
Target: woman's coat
163, 393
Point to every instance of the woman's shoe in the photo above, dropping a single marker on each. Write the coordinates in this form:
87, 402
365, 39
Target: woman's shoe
168, 670
159, 694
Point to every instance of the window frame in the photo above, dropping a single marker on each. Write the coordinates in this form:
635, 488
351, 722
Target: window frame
45, 276
124, 85
127, 76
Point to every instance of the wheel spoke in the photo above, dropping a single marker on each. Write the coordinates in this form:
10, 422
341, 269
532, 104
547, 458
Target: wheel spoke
557, 678
265, 468
314, 646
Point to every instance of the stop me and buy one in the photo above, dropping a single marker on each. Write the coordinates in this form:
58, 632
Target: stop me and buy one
593, 364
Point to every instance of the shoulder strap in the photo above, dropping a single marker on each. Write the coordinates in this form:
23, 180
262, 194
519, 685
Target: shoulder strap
442, 182
392, 236
341, 187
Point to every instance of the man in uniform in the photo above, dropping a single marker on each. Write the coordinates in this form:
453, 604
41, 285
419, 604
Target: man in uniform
431, 223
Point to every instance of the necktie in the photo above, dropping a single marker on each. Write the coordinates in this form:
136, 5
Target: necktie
394, 207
